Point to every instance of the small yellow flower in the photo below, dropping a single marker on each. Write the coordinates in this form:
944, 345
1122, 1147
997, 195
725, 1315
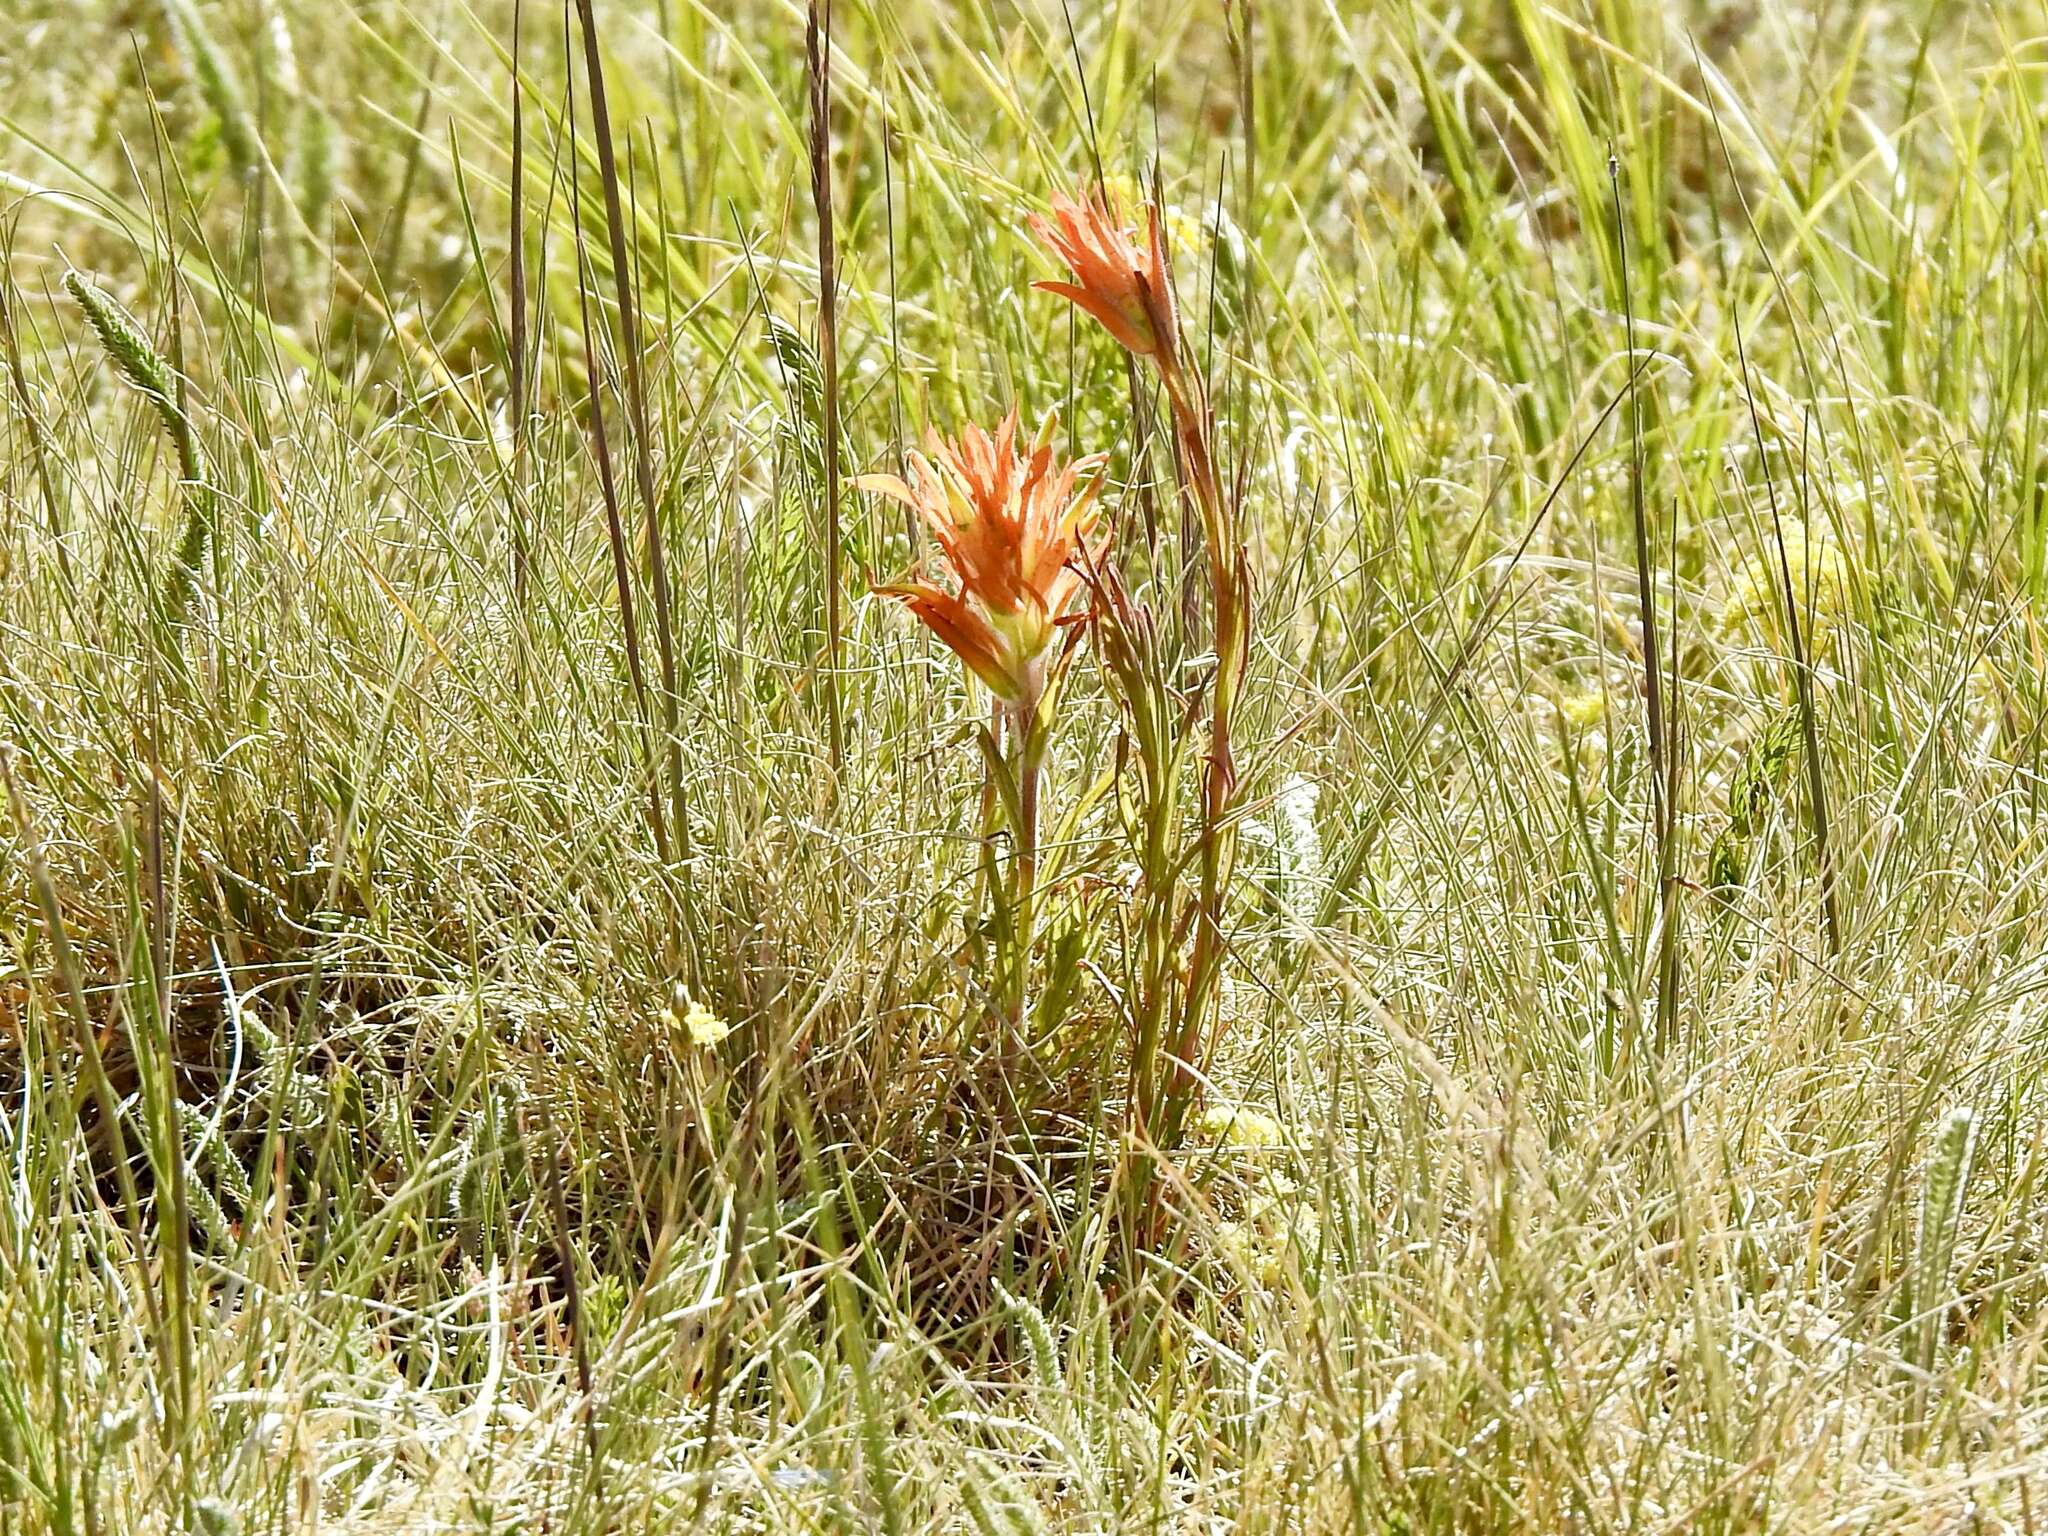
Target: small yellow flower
1232, 1127
1583, 709
1260, 1246
1820, 581
702, 1025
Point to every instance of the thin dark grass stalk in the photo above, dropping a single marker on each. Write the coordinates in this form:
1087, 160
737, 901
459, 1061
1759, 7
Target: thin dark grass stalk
636, 406
1809, 714
615, 530
622, 576
895, 316
202, 532
1081, 80
818, 68
522, 555
1802, 671
681, 408
1239, 16
1663, 764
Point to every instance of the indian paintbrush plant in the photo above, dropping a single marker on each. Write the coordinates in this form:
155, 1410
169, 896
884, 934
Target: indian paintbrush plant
1128, 287
1016, 531
1009, 525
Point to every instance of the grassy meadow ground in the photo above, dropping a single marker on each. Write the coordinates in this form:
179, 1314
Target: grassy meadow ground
1640, 1115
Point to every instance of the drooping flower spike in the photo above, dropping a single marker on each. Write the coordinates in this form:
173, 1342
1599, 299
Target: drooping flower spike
1008, 524
1128, 290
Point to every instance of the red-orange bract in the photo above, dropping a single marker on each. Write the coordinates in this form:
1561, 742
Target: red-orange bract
1008, 524
1128, 290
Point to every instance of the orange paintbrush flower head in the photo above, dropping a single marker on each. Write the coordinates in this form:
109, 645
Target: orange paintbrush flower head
1008, 522
1126, 288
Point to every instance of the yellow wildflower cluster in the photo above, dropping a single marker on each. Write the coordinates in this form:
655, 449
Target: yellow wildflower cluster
1820, 581
1259, 1246
1275, 1222
702, 1025
1229, 1126
1583, 709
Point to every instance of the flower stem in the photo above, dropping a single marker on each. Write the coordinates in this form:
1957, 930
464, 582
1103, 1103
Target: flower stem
1031, 744
1230, 599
